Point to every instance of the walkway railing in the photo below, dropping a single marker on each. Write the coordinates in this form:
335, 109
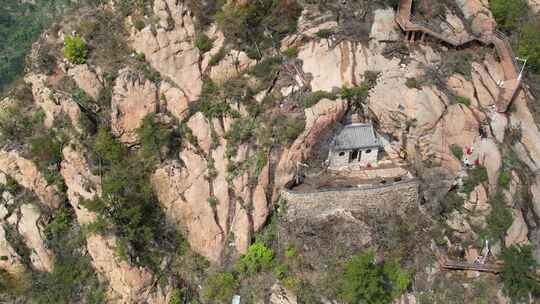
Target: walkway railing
500, 41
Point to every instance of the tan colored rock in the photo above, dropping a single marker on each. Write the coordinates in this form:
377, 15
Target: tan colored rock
490, 157
134, 97
535, 5
171, 50
478, 201
53, 104
10, 262
231, 66
174, 100
26, 173
486, 88
461, 87
384, 26
81, 184
535, 190
530, 134
280, 295
478, 11
498, 123
30, 229
86, 79
458, 126
517, 233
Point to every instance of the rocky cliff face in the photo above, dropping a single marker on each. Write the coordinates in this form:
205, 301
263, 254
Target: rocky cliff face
241, 125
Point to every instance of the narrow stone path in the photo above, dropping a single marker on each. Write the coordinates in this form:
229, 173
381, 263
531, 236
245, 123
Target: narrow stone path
512, 80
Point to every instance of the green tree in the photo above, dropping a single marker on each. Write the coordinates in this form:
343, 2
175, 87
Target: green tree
517, 273
510, 15
258, 258
529, 45
75, 49
364, 281
220, 287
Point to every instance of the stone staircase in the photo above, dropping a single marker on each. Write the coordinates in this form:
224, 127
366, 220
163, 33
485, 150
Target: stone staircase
512, 80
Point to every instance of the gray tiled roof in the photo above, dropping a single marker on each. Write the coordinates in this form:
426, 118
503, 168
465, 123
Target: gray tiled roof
356, 136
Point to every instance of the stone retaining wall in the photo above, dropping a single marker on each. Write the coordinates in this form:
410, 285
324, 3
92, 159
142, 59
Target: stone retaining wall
394, 198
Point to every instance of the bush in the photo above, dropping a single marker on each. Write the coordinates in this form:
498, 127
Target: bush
139, 24
518, 273
204, 43
217, 57
313, 98
220, 287
213, 201
509, 14
457, 151
412, 83
499, 219
504, 178
291, 52
363, 281
529, 45
258, 258
475, 177
325, 33
463, 100
75, 50
288, 129
152, 137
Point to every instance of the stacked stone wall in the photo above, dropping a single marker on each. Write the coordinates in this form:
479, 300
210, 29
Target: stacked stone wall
395, 198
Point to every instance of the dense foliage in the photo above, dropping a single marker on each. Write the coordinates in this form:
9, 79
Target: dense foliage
75, 49
518, 273
128, 206
21, 22
365, 281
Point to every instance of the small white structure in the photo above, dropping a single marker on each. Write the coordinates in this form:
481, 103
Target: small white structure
356, 145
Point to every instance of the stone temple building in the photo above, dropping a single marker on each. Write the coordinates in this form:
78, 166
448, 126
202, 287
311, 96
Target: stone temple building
355, 146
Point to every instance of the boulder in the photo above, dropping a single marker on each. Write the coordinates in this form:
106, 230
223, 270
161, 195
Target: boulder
384, 26
134, 97
9, 259
280, 295
174, 100
169, 48
29, 227
86, 79
518, 231
52, 103
26, 173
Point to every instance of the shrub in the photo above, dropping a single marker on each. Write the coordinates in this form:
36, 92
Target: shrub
475, 177
518, 273
529, 45
217, 57
204, 43
509, 14
152, 137
363, 281
75, 49
500, 218
412, 83
504, 178
258, 258
213, 201
463, 100
288, 129
139, 24
457, 151
291, 52
313, 98
325, 33
220, 287
513, 134
452, 201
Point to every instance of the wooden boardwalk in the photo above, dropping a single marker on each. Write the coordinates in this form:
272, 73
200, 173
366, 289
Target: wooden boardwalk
512, 79
454, 265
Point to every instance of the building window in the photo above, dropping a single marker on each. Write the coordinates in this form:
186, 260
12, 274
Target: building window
354, 155
341, 153
368, 151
